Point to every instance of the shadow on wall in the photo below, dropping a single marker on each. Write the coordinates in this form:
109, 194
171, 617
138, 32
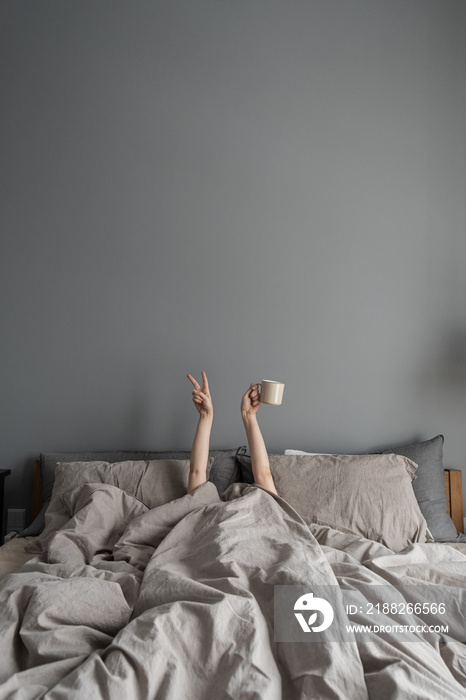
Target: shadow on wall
454, 359
446, 370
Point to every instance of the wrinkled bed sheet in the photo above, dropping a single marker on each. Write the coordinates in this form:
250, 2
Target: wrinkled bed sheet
177, 602
13, 555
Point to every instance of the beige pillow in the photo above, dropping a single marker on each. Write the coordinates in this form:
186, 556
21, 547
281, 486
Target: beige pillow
153, 482
368, 495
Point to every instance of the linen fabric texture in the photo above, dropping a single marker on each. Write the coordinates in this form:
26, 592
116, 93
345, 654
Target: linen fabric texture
224, 472
429, 486
368, 495
153, 483
179, 601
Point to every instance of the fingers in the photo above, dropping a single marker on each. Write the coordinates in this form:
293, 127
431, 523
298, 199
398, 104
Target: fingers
255, 401
254, 392
193, 382
254, 396
205, 386
199, 396
196, 385
251, 399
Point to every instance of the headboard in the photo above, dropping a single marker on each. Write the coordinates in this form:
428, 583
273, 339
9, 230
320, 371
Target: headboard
453, 487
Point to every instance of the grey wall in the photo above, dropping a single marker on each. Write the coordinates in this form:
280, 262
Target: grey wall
258, 189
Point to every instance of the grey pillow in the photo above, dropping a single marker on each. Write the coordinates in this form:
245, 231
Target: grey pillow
368, 495
429, 486
153, 482
225, 471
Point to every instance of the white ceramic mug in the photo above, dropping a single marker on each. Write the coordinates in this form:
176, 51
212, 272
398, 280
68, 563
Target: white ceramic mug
271, 392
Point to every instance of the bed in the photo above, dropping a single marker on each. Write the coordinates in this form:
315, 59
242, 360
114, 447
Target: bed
134, 589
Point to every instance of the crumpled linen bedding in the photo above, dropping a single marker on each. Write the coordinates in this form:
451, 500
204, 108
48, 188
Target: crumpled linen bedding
177, 602
13, 555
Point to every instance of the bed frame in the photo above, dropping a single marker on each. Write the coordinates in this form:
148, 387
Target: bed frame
453, 486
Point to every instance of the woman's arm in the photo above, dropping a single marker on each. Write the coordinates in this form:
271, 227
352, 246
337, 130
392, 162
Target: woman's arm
259, 458
200, 449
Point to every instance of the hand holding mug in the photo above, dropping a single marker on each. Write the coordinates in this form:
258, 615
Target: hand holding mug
250, 402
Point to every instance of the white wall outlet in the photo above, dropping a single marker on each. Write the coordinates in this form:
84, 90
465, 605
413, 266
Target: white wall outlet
15, 519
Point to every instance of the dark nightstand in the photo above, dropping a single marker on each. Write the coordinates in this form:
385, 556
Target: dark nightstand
3, 474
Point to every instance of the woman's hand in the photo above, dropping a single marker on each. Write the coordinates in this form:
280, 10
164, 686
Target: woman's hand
250, 402
201, 397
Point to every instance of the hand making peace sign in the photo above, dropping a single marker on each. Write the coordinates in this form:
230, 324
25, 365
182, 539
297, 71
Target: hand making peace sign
201, 397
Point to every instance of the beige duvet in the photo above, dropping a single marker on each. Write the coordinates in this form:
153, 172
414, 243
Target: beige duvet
13, 555
178, 602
